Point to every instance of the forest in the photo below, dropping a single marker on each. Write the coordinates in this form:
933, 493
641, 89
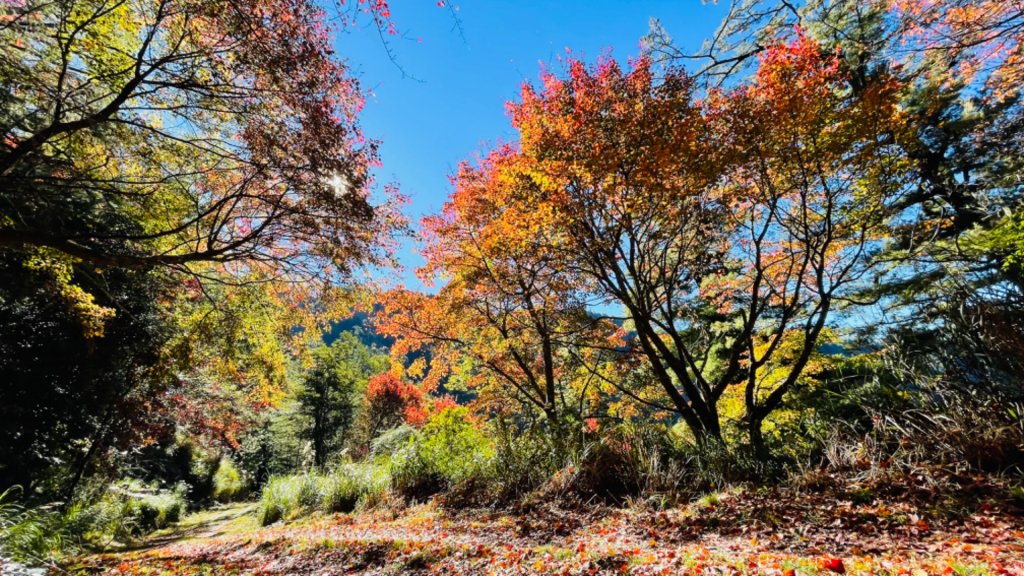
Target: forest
752, 308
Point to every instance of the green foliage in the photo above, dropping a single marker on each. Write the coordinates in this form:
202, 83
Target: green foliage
116, 514
69, 396
453, 446
129, 509
28, 534
447, 451
228, 483
391, 441
340, 489
523, 461
272, 445
331, 392
183, 460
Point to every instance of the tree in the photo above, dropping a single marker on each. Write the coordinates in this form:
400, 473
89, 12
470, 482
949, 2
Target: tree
226, 131
954, 248
508, 324
332, 390
76, 392
390, 402
724, 227
975, 39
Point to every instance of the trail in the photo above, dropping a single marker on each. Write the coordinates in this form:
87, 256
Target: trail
206, 524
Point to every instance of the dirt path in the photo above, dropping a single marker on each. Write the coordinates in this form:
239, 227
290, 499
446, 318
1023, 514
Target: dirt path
211, 523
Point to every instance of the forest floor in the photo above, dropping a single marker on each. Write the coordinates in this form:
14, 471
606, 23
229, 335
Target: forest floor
735, 532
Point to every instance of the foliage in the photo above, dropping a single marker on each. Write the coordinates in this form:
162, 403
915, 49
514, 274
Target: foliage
523, 461
73, 396
979, 39
332, 390
391, 441
390, 401
726, 228
772, 303
28, 533
228, 483
508, 325
340, 489
450, 449
185, 92
115, 515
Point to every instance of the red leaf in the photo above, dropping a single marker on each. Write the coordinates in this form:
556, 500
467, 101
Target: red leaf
833, 564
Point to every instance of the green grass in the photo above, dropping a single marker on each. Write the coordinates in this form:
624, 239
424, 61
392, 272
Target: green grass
342, 489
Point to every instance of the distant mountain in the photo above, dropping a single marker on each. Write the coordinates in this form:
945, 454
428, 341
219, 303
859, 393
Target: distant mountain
361, 325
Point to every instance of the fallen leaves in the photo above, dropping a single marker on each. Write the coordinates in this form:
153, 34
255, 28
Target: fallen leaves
736, 536
833, 565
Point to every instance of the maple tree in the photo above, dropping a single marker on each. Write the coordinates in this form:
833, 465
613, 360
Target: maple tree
508, 323
973, 39
724, 226
389, 401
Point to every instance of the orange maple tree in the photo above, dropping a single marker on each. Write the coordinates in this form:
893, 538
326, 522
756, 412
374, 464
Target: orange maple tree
391, 401
727, 227
508, 324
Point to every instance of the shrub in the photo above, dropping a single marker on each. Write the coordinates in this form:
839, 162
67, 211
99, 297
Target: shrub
391, 441
278, 499
228, 483
453, 447
341, 489
523, 461
447, 451
624, 463
412, 476
129, 509
349, 484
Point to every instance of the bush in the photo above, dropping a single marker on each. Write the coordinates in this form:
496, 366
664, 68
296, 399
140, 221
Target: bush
111, 514
447, 451
279, 498
339, 490
130, 509
523, 461
228, 483
391, 441
181, 461
624, 463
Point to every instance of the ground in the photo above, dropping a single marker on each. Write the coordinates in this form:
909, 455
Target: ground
735, 532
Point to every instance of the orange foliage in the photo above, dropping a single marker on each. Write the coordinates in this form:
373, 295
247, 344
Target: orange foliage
975, 39
724, 225
390, 401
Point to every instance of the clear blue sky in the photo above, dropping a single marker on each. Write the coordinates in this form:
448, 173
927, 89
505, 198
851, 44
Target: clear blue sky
453, 105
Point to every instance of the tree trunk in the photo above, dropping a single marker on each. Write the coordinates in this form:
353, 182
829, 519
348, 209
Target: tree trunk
756, 434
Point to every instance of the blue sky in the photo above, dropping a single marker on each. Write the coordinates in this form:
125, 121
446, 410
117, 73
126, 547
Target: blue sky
451, 103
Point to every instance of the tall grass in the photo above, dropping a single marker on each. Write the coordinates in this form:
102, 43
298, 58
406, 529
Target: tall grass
341, 489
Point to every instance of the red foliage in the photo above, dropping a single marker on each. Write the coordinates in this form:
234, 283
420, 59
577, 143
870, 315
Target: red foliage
833, 565
390, 401
443, 403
